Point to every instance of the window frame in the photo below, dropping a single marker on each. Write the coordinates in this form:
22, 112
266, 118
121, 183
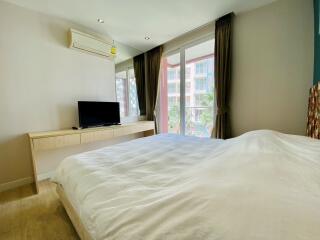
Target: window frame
132, 113
183, 79
125, 93
128, 110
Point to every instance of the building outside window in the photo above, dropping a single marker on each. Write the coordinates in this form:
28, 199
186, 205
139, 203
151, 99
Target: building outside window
188, 101
188, 87
201, 83
171, 74
172, 88
188, 73
201, 67
172, 100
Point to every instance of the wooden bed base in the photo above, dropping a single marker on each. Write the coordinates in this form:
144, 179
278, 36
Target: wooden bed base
73, 215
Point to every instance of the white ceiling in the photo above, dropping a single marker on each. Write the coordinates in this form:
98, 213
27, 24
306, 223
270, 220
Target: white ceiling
130, 21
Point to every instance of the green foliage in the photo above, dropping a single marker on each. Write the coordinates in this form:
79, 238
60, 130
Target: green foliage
174, 118
206, 116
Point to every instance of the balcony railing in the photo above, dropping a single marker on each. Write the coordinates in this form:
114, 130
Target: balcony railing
199, 120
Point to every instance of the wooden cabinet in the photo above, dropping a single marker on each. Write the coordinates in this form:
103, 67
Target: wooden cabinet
47, 143
133, 128
57, 139
95, 136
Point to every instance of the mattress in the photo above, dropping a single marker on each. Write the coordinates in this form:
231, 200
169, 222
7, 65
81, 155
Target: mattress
261, 185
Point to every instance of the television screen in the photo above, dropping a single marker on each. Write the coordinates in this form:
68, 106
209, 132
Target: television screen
93, 114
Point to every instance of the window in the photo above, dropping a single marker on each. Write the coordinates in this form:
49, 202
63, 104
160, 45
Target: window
201, 84
171, 88
188, 87
133, 96
171, 74
201, 67
188, 72
188, 101
197, 114
126, 91
192, 112
198, 100
172, 100
121, 91
170, 94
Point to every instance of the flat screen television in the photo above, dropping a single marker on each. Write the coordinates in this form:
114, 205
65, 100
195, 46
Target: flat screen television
94, 114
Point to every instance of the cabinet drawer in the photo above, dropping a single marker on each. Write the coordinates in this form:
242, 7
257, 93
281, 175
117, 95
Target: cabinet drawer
126, 130
146, 126
96, 136
56, 142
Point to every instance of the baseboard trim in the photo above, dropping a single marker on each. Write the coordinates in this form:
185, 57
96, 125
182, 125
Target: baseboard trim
14, 184
45, 176
24, 181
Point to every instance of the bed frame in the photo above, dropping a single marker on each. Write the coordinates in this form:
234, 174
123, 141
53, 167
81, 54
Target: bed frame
313, 130
73, 215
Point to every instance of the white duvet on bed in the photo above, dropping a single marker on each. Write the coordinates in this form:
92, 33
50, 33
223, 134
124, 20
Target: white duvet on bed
262, 185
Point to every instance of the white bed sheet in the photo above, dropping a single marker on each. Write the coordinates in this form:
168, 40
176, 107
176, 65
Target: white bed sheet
261, 185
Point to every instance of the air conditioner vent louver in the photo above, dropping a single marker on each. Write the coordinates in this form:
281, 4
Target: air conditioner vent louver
91, 44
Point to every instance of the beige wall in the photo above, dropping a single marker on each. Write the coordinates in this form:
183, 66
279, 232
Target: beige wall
41, 81
125, 52
124, 66
272, 67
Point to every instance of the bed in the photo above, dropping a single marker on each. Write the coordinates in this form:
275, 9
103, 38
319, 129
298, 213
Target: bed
260, 185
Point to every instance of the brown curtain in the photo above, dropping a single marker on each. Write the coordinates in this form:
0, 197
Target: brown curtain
222, 69
153, 67
139, 72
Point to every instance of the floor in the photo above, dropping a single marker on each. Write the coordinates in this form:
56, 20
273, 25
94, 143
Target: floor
24, 215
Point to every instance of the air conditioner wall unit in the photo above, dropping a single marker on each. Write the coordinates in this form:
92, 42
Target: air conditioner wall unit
89, 43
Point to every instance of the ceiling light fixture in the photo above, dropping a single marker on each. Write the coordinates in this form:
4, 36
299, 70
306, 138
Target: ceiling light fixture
147, 38
100, 20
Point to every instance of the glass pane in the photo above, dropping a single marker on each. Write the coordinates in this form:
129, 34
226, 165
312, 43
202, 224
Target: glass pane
199, 89
173, 68
170, 94
121, 91
133, 97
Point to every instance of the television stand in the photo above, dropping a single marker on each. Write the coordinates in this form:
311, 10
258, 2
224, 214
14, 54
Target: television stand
62, 138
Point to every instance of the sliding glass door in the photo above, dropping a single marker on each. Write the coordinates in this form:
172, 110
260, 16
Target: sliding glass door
170, 94
187, 88
199, 89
